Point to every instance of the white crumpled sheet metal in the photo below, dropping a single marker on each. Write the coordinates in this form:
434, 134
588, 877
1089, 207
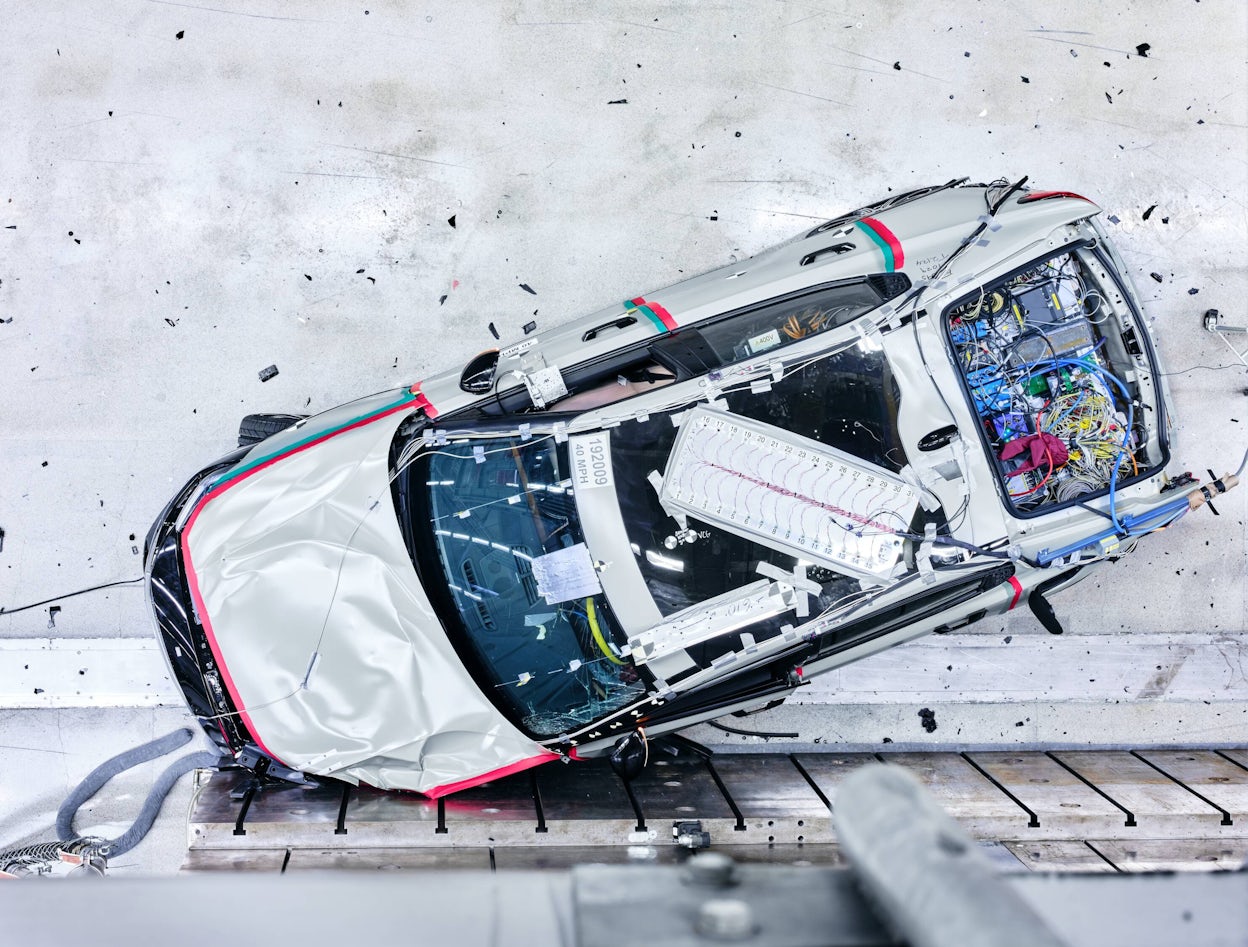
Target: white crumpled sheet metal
297, 554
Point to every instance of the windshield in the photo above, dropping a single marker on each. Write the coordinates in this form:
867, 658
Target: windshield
524, 609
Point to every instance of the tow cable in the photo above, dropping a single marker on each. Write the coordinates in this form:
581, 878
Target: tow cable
88, 855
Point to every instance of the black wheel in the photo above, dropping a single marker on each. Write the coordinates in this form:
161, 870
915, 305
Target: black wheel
257, 427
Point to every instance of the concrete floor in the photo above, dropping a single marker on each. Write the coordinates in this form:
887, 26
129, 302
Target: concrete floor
193, 193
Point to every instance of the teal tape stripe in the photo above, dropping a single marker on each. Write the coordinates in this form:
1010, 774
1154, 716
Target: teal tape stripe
649, 314
889, 263
407, 398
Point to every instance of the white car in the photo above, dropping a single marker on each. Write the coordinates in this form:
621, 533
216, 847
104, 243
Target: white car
938, 407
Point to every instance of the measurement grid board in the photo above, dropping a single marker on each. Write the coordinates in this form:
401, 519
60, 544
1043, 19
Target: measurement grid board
788, 492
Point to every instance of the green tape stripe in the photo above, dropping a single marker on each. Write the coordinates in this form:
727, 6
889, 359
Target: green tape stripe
890, 264
648, 313
407, 398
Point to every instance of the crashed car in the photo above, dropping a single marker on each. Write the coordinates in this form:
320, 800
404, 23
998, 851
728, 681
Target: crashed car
933, 409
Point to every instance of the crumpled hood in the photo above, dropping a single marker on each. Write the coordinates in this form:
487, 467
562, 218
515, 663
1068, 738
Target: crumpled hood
326, 641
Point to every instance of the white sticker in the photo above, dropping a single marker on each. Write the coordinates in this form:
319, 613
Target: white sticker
591, 461
566, 574
519, 348
761, 343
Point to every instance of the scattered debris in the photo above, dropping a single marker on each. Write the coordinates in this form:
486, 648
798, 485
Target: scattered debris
714, 216
172, 322
451, 220
493, 331
1156, 276
1142, 50
618, 102
929, 719
528, 289
267, 373
6, 321
53, 611
530, 327
76, 240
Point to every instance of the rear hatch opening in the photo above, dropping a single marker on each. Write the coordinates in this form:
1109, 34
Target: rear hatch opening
1052, 362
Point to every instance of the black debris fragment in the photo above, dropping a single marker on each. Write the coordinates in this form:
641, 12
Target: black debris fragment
39, 690
76, 240
737, 135
1142, 49
493, 331
1018, 723
11, 227
1009, 638
929, 719
1109, 98
530, 327
1025, 79
887, 740
52, 613
618, 102
307, 277
1, 540
1149, 213
528, 289
1193, 291
442, 299
359, 271
897, 66
371, 279
172, 322
179, 34
1114, 219
267, 373
44, 464
451, 220
1165, 220
1156, 276
6, 321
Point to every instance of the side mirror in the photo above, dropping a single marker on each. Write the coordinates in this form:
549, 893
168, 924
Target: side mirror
477, 377
630, 756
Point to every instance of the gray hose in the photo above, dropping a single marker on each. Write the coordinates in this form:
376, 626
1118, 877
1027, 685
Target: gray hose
96, 779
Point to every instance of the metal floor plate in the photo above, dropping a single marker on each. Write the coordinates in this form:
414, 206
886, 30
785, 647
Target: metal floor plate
1087, 811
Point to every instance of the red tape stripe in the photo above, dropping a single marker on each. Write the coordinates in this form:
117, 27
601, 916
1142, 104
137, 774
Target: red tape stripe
1018, 591
899, 257
517, 767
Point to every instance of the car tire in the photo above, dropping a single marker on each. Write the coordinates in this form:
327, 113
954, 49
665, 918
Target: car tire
255, 428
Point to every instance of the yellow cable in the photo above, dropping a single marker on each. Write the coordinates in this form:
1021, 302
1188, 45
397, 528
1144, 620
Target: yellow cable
592, 615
